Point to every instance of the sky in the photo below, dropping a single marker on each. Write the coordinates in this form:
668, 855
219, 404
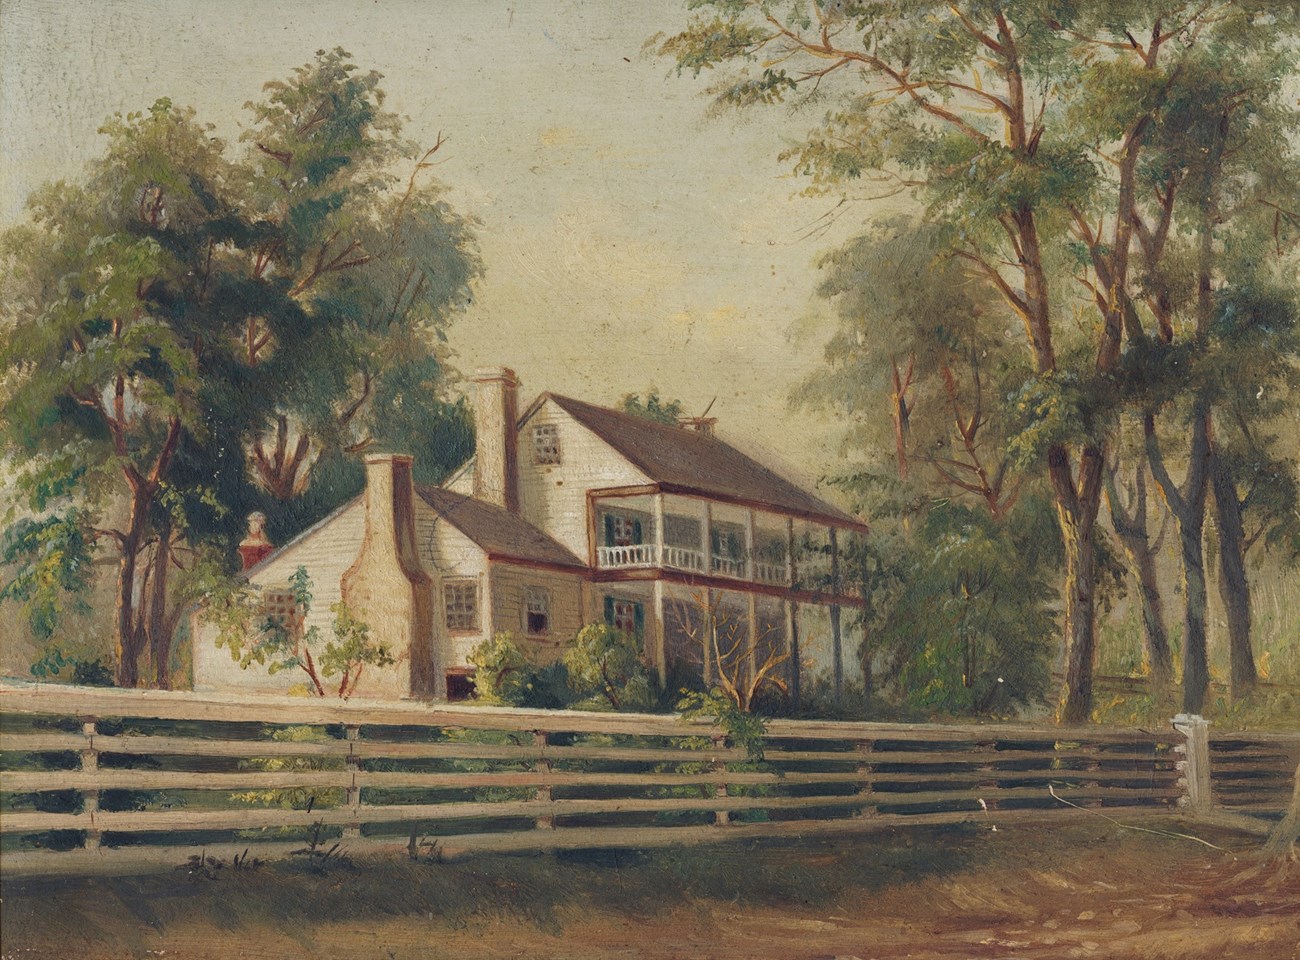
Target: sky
632, 236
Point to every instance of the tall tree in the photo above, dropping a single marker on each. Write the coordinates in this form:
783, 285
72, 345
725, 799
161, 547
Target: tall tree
1021, 125
182, 322
102, 387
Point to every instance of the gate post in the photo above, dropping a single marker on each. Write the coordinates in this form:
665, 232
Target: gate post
1195, 764
90, 798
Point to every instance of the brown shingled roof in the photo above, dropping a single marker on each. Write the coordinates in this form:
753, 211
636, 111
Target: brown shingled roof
685, 461
502, 535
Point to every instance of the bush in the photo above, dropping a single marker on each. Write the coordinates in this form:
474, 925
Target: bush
501, 671
605, 669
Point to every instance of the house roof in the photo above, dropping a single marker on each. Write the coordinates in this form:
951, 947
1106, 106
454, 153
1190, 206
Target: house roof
685, 461
502, 535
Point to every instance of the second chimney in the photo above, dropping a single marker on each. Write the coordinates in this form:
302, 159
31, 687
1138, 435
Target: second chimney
496, 455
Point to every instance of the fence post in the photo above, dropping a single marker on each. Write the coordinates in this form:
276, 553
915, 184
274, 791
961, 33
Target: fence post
1195, 764
90, 798
352, 733
865, 749
720, 817
543, 766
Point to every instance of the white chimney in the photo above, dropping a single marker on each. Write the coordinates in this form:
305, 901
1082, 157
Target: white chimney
387, 586
496, 456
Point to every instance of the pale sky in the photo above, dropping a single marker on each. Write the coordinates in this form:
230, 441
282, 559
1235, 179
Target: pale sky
630, 237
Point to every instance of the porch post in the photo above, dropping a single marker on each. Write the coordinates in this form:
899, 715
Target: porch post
659, 637
792, 616
706, 537
837, 645
751, 570
659, 529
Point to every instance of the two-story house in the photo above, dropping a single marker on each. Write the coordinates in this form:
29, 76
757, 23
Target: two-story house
571, 513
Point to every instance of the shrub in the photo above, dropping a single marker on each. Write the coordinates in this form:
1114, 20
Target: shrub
501, 671
606, 670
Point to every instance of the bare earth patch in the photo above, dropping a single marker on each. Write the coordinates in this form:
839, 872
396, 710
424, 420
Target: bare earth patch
1086, 890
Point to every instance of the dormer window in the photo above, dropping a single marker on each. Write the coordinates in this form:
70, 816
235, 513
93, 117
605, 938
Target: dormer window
546, 444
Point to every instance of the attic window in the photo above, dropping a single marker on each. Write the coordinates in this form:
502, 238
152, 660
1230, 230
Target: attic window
537, 611
461, 597
546, 443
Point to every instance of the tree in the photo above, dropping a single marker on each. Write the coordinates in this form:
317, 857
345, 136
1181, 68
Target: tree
740, 666
1021, 126
359, 272
101, 386
285, 642
181, 322
606, 664
652, 407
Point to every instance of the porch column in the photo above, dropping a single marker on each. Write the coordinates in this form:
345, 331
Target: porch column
706, 537
707, 627
792, 618
837, 652
659, 638
751, 570
752, 644
659, 529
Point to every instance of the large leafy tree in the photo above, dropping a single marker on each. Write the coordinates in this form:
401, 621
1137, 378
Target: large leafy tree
191, 335
1021, 126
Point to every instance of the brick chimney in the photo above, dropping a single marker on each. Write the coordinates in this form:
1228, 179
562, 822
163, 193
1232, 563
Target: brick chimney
496, 457
387, 586
254, 547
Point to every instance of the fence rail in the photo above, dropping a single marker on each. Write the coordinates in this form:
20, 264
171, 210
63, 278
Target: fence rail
113, 780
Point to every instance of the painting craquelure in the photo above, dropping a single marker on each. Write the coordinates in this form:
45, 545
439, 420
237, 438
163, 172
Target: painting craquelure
719, 479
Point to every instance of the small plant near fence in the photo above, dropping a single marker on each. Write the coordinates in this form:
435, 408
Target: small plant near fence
283, 640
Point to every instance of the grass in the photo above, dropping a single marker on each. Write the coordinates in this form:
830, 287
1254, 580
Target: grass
918, 892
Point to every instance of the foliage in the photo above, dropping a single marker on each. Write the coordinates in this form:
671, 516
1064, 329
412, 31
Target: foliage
188, 319
501, 670
293, 798
605, 664
651, 407
85, 671
288, 643
958, 608
745, 730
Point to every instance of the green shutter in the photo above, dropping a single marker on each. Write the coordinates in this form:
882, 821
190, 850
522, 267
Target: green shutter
609, 531
638, 617
636, 532
609, 609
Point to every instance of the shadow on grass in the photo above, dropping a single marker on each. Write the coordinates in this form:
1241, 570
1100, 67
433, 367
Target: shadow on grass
294, 896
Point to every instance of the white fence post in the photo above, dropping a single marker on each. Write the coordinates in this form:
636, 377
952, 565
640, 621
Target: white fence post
1195, 764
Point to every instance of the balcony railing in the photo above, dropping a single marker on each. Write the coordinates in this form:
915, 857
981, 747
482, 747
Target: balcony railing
729, 567
632, 555
684, 558
767, 572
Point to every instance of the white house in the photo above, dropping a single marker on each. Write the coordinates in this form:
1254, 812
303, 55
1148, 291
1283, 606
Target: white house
569, 514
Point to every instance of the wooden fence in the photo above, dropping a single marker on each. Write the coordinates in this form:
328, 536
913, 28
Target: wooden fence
98, 780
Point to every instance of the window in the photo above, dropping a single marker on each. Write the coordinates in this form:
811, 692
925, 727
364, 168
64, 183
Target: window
622, 531
537, 610
462, 604
546, 443
280, 608
627, 616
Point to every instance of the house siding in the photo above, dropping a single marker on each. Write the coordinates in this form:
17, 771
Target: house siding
509, 586
325, 552
553, 497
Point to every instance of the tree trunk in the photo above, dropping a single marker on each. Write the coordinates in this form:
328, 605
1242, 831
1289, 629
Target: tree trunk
1287, 832
1234, 587
1131, 528
127, 639
1196, 670
1077, 513
156, 624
